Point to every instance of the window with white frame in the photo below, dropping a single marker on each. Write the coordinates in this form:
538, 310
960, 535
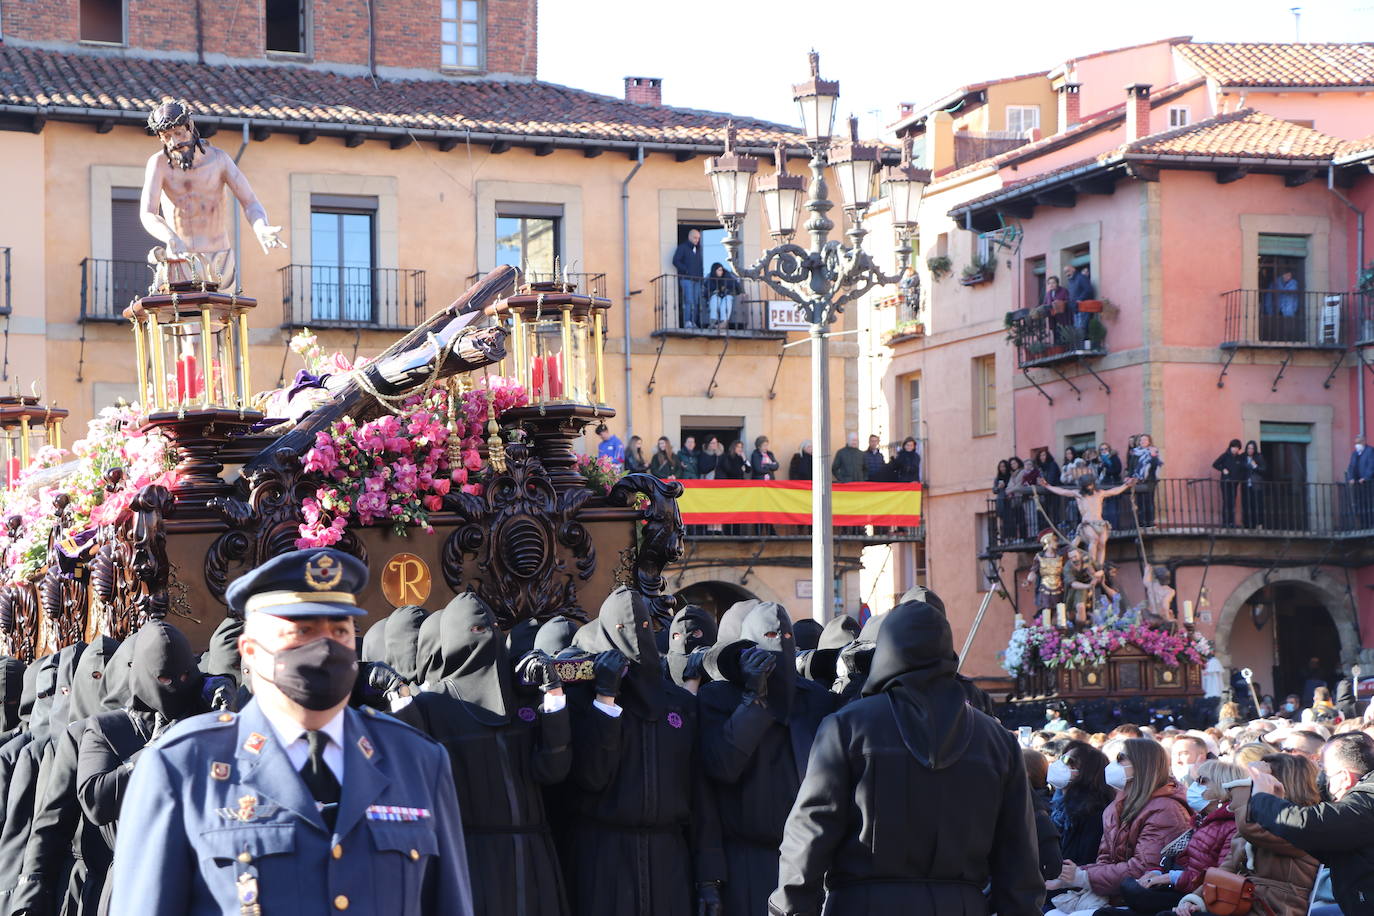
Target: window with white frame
1021, 118
1180, 116
460, 33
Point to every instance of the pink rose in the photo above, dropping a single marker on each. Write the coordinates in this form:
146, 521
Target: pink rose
434, 503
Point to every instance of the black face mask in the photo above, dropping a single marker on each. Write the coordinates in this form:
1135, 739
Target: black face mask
318, 675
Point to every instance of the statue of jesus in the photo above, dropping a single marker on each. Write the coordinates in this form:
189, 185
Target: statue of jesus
1093, 529
183, 203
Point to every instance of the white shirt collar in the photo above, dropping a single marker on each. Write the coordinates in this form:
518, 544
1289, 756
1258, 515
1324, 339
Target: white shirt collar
289, 731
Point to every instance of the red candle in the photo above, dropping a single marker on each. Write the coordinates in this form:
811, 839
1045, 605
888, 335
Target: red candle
13, 472
555, 375
188, 380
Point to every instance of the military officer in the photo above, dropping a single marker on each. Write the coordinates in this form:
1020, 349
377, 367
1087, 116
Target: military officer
297, 804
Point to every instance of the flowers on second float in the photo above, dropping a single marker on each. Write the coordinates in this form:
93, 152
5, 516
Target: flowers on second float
1036, 645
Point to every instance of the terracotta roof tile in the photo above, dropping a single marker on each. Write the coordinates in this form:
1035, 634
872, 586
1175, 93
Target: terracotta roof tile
1242, 134
35, 77
1356, 149
1284, 63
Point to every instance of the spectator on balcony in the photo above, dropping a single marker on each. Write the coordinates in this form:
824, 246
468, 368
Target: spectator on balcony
611, 447
762, 463
687, 264
721, 289
1145, 465
634, 457
1252, 486
708, 463
1080, 287
734, 464
664, 464
1281, 306
909, 291
689, 460
906, 464
1230, 464
848, 466
1001, 483
875, 462
1023, 478
1048, 471
1056, 305
800, 468
1359, 477
1109, 473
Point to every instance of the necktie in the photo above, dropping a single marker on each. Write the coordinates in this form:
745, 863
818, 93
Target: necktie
319, 779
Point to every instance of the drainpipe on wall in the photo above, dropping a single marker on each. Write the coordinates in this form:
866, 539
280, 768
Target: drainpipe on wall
1359, 265
238, 219
625, 268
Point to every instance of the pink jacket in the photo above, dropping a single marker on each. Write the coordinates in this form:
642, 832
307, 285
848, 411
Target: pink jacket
1130, 851
1207, 848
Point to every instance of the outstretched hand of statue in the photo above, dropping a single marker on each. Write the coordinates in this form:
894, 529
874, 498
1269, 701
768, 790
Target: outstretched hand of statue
269, 237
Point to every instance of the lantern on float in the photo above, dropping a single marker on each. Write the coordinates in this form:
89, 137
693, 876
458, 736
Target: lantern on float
27, 426
191, 351
557, 336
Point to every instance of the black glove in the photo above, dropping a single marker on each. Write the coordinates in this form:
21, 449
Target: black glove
757, 664
219, 692
537, 670
610, 667
695, 669
386, 679
856, 658
708, 899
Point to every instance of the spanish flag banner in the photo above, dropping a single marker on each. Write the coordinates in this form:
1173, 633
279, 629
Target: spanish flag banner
788, 502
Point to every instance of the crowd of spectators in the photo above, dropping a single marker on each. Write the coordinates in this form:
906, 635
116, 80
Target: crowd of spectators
1167, 821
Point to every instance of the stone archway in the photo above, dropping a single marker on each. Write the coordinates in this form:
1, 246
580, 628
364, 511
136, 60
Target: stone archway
1334, 598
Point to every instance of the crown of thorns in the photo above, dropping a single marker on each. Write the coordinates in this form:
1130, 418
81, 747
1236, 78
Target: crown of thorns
168, 115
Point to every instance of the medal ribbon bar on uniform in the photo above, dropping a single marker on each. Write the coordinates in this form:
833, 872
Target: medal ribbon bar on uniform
396, 813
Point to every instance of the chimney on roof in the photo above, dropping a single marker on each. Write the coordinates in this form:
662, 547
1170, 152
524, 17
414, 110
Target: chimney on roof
1137, 111
905, 109
644, 90
1069, 112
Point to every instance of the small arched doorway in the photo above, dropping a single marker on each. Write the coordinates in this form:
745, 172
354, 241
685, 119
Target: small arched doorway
1276, 628
713, 596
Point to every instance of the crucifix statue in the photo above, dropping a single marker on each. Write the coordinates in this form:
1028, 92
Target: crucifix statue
183, 203
1093, 529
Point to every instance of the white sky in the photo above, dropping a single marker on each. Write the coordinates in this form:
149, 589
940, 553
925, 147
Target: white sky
883, 52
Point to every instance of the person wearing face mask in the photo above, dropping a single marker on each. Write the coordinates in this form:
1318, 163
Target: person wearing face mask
55, 853
1081, 794
1339, 833
501, 752
298, 803
636, 825
1206, 847
29, 772
913, 802
758, 723
690, 636
1149, 813
11, 690
1046, 833
1187, 752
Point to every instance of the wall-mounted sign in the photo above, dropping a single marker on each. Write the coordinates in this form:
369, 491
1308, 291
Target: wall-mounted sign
784, 316
406, 580
804, 588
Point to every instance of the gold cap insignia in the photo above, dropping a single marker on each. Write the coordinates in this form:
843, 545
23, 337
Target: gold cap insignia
322, 572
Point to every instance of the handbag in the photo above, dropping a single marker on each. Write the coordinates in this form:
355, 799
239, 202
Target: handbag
1225, 893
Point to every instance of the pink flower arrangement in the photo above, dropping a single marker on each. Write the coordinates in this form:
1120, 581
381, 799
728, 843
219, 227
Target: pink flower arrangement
601, 472
396, 469
1054, 648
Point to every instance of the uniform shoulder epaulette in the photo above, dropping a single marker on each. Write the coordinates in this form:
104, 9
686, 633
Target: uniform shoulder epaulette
197, 725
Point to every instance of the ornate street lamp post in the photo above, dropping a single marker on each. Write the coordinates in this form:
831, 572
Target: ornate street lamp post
821, 279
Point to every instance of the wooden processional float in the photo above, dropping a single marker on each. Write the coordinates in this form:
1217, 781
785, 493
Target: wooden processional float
535, 543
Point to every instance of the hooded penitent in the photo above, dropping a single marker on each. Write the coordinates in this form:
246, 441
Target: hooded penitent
555, 635
838, 633
474, 666
520, 639
162, 651
692, 627
769, 627
11, 689
402, 635
429, 652
44, 688
921, 593
118, 674
623, 624
222, 656
914, 665
374, 643
807, 634
28, 693
732, 621
88, 681
67, 659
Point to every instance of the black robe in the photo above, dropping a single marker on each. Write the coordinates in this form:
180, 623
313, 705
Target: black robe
501, 755
632, 841
913, 802
756, 757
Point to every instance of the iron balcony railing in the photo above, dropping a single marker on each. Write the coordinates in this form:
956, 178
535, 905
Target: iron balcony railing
868, 534
971, 147
108, 286
1362, 309
702, 307
1043, 340
582, 284
6, 305
1290, 318
1191, 506
329, 296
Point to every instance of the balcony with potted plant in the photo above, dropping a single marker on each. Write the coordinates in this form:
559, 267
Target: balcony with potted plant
979, 270
911, 329
1043, 337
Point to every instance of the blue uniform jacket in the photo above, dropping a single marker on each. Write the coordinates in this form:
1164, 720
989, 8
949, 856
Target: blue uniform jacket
215, 810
